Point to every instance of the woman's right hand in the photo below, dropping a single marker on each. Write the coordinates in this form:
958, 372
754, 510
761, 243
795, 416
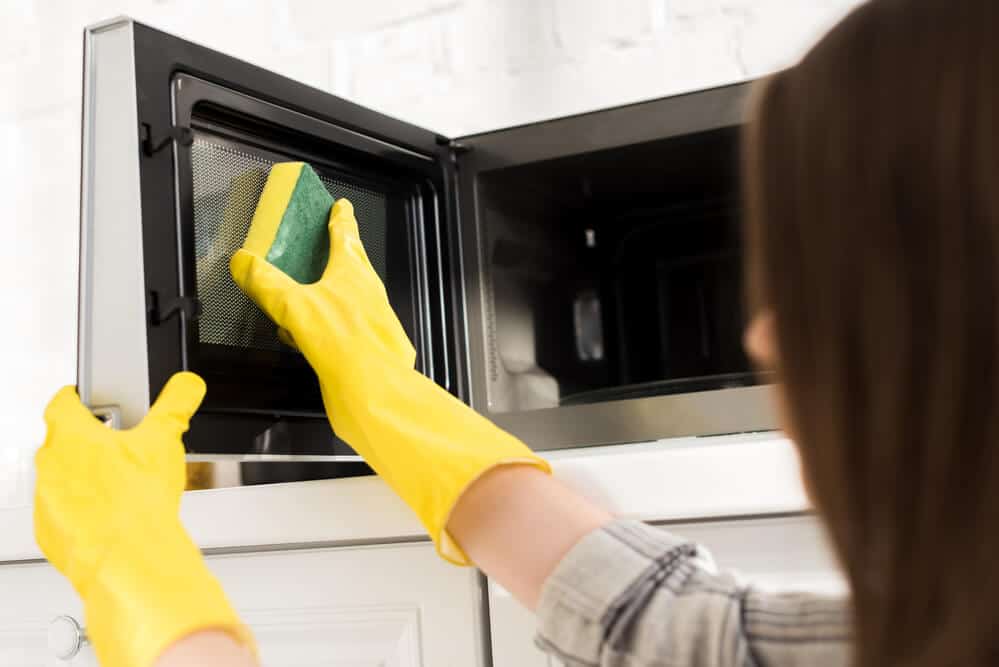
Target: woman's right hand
342, 323
426, 444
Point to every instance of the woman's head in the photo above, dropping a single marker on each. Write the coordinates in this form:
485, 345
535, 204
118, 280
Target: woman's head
872, 187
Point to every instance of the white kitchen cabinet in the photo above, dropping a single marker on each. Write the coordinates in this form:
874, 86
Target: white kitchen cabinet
399, 604
386, 606
392, 606
786, 553
33, 597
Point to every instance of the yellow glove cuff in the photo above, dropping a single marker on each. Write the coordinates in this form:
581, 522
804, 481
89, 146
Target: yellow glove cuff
151, 593
427, 445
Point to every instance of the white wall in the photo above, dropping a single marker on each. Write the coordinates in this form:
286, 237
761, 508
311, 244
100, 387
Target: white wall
456, 66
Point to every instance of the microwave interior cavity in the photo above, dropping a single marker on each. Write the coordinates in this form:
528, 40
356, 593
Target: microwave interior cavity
614, 274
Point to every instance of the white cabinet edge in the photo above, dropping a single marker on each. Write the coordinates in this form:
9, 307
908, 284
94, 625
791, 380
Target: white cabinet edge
691, 478
670, 480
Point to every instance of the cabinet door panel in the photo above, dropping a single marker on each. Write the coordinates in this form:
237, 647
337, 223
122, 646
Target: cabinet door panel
777, 554
397, 606
390, 606
32, 596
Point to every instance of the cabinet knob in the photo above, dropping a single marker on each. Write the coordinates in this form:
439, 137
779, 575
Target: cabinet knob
66, 636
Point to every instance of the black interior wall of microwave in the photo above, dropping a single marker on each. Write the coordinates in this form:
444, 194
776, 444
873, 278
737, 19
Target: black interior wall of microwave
650, 232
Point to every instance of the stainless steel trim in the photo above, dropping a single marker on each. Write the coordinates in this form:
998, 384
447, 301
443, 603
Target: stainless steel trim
719, 412
422, 291
445, 375
347, 137
483, 621
476, 298
185, 290
368, 543
297, 458
688, 113
466, 272
112, 22
113, 366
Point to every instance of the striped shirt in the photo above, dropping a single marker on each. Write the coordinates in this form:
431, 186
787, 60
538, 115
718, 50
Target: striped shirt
630, 595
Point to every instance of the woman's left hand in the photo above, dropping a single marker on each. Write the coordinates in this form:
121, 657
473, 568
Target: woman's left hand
107, 516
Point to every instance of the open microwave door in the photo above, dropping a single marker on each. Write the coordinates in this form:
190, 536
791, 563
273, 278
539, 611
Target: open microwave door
178, 140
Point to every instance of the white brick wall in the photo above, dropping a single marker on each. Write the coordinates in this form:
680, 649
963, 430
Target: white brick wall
457, 66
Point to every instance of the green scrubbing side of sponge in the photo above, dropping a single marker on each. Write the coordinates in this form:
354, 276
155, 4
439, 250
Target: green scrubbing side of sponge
291, 222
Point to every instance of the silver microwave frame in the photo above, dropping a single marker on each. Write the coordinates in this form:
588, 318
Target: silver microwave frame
112, 350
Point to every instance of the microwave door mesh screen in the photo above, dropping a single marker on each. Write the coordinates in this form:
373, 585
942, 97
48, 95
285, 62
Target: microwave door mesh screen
227, 184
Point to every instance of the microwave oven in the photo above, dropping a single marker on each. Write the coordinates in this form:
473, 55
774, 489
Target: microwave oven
577, 281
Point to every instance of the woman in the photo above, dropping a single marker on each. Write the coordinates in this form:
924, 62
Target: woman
872, 230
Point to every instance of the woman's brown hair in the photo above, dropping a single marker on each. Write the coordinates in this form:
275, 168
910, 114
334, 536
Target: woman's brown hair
872, 187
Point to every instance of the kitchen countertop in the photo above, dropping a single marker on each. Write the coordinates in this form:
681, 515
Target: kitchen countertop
683, 479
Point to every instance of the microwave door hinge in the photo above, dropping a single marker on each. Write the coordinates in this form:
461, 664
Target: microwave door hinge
160, 312
151, 145
456, 148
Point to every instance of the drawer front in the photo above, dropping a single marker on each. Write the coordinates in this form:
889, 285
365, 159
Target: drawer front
384, 605
399, 606
35, 619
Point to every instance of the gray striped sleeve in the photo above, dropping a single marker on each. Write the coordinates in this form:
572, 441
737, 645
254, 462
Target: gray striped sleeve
630, 595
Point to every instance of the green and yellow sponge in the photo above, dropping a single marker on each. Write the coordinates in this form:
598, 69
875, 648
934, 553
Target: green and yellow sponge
289, 227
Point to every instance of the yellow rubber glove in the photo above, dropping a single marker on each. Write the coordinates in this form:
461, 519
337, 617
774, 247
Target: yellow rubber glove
426, 444
106, 516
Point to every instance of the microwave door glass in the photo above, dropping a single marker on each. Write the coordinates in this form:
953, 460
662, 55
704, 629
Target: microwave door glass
264, 399
227, 182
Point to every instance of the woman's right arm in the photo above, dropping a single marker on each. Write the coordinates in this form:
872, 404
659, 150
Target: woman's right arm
208, 648
516, 523
621, 593
607, 592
